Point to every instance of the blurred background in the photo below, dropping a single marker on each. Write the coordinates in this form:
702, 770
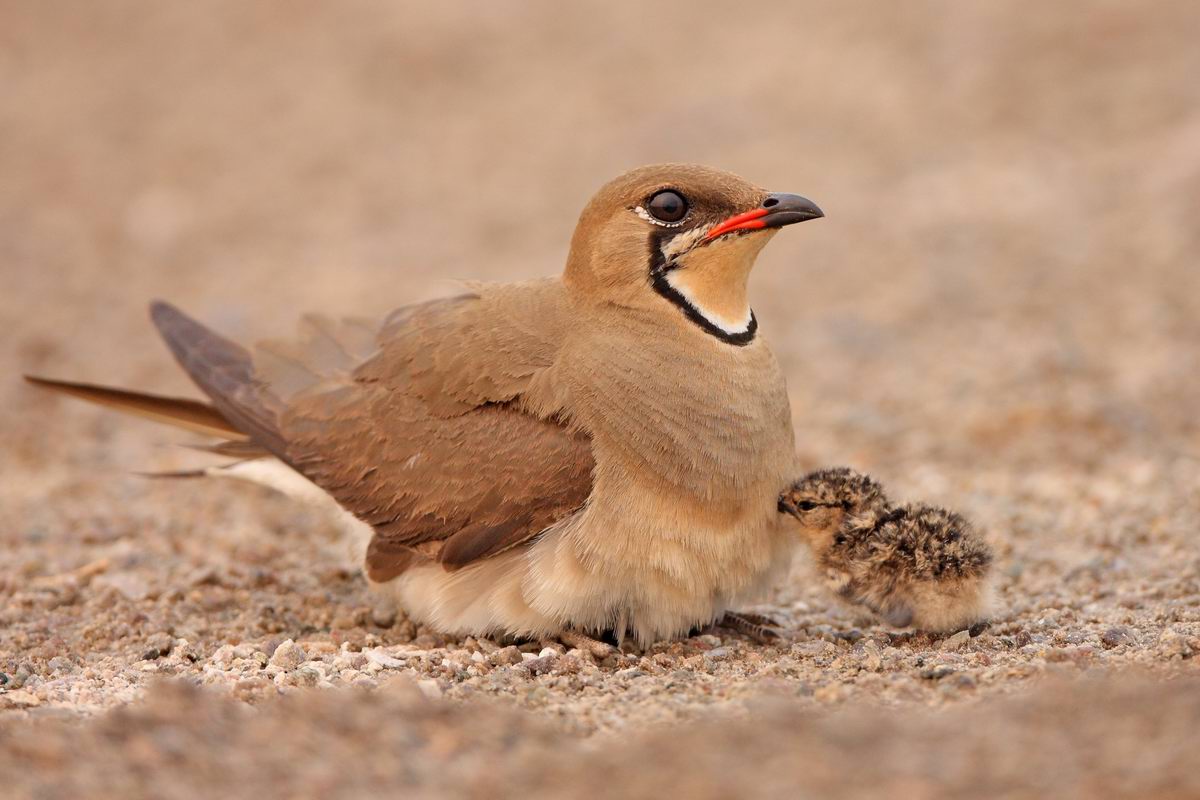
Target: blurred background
1000, 311
1008, 267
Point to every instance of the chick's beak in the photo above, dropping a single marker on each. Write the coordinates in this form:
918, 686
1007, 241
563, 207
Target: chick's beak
776, 211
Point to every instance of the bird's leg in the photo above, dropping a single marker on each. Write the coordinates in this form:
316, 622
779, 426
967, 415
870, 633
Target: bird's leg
594, 647
754, 619
758, 627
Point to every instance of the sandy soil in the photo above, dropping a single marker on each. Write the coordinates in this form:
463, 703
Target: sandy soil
1000, 313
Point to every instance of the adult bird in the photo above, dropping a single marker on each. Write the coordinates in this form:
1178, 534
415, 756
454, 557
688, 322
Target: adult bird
597, 452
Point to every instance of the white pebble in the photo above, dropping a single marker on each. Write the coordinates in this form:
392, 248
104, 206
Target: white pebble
384, 660
288, 655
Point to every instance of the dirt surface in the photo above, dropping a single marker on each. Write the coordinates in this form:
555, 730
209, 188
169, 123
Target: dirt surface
1000, 313
1070, 738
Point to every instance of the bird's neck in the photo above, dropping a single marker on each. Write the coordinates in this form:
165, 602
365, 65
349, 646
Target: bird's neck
724, 306
709, 283
708, 419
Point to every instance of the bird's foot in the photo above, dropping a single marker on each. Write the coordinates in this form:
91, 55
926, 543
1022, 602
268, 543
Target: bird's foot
759, 627
593, 647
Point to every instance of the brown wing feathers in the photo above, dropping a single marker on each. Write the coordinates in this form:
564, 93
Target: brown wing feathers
411, 428
421, 438
224, 370
482, 482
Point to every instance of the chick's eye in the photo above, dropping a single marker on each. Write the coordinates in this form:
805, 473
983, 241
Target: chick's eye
667, 206
806, 505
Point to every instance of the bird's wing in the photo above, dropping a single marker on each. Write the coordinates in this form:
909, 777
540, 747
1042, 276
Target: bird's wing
414, 426
482, 347
478, 483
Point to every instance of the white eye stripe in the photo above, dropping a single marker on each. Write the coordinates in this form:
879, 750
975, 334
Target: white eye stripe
646, 215
683, 242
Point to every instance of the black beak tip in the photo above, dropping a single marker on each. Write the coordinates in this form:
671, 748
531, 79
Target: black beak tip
788, 209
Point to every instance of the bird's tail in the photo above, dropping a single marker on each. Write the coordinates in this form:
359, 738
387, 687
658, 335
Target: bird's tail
180, 412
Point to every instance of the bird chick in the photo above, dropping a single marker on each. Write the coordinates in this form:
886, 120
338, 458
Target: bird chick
915, 564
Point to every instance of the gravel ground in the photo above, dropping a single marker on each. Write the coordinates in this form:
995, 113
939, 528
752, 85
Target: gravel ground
1000, 313
1064, 739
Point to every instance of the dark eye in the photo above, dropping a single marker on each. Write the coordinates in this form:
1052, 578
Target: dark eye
806, 505
667, 206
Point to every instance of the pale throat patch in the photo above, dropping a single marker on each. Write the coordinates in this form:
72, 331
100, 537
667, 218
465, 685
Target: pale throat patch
729, 314
713, 278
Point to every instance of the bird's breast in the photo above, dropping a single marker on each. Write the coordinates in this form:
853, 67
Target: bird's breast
695, 416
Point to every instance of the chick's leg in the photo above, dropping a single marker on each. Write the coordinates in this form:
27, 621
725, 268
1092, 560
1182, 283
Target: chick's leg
759, 627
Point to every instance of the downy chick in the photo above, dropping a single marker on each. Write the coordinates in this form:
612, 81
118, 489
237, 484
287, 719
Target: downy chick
915, 564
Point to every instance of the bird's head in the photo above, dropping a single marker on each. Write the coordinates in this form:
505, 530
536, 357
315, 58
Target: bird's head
681, 234
829, 501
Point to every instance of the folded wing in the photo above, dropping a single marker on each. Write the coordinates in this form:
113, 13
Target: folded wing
414, 426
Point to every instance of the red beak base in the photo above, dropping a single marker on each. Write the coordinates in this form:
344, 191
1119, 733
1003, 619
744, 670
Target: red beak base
749, 221
775, 212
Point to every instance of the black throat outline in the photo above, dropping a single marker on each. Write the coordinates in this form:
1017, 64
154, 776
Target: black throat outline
660, 267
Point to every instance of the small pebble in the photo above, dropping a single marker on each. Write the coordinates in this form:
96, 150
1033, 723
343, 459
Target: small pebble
507, 655
224, 656
812, 648
1173, 644
871, 655
957, 641
22, 699
306, 676
937, 673
288, 655
61, 664
542, 664
157, 646
1115, 637
964, 681
384, 660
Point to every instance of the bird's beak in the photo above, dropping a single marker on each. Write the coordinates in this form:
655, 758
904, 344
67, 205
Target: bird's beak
775, 212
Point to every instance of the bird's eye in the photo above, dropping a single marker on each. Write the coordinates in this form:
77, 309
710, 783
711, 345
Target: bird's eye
667, 206
806, 505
